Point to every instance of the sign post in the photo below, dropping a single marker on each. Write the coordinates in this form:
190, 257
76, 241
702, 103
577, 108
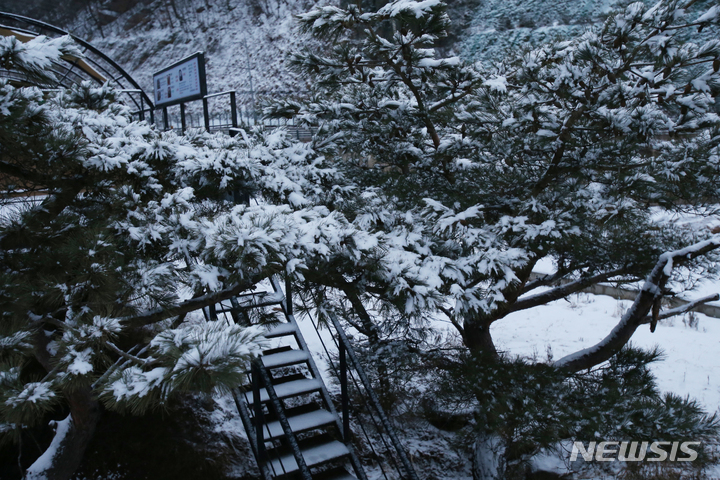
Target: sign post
181, 82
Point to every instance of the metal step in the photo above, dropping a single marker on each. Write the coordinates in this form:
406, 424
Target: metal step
300, 409
288, 389
284, 359
301, 423
314, 456
280, 330
271, 351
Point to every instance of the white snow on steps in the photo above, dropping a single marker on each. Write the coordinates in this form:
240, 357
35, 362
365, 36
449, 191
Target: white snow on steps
313, 456
302, 422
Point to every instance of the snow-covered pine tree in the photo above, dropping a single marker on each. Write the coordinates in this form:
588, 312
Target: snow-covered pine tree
581, 152
569, 153
114, 236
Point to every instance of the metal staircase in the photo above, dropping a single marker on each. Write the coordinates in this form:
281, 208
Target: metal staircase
288, 414
292, 424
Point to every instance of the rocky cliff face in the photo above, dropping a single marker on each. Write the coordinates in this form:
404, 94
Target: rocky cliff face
499, 26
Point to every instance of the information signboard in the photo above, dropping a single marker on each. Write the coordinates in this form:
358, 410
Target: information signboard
181, 82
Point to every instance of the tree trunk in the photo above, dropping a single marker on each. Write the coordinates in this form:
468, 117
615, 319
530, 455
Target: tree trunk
477, 338
72, 436
476, 325
488, 458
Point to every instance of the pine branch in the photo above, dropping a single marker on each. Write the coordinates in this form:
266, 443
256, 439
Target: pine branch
563, 291
159, 314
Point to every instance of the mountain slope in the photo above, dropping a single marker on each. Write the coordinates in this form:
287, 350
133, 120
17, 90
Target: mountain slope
245, 43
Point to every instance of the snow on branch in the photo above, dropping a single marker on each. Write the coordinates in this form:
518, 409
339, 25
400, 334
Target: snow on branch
409, 7
35, 57
648, 298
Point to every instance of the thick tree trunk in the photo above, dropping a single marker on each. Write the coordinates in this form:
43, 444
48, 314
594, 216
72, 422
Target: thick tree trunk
476, 325
72, 436
477, 338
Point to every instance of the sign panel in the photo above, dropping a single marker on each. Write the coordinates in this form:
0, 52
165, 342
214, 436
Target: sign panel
181, 82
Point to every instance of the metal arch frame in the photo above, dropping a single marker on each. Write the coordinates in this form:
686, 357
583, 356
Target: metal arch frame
144, 98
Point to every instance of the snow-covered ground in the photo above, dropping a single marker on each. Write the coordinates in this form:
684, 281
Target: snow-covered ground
692, 352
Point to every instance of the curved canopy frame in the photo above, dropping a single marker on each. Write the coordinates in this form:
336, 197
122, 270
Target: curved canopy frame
95, 66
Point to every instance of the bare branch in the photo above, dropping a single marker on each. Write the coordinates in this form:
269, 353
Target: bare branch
543, 281
682, 309
127, 356
454, 322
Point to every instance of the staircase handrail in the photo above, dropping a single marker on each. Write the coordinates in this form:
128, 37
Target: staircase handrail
374, 400
260, 370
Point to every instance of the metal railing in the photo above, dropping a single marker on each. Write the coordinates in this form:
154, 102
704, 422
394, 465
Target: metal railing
227, 121
345, 351
348, 369
72, 72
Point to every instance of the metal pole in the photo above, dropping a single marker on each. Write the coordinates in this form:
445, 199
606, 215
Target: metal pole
288, 295
206, 115
166, 123
344, 394
249, 424
152, 115
233, 110
258, 410
142, 108
182, 118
